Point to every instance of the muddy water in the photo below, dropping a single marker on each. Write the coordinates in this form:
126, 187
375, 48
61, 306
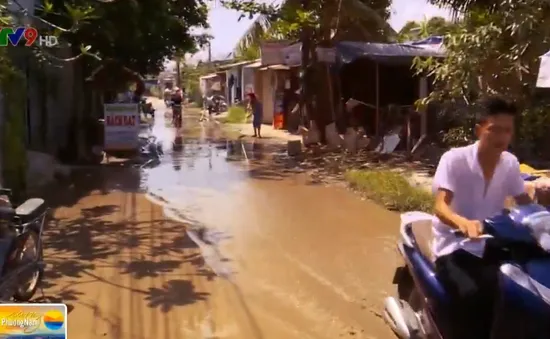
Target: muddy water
213, 242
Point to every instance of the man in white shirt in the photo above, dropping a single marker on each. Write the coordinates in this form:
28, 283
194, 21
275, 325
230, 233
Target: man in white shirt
471, 184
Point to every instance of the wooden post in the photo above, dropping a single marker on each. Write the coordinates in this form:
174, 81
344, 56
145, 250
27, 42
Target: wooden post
423, 92
377, 90
330, 92
409, 146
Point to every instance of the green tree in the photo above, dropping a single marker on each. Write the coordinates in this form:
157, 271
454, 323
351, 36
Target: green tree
139, 34
191, 75
495, 53
414, 30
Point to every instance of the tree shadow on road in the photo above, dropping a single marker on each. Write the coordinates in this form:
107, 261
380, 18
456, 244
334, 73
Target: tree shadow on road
122, 233
173, 293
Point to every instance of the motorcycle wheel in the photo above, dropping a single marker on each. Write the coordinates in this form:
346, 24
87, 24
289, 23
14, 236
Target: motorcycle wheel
408, 292
28, 250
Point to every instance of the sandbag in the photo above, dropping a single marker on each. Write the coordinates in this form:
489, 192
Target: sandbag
334, 140
310, 136
294, 147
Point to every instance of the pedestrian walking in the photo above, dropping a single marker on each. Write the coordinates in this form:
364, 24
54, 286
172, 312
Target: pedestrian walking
255, 107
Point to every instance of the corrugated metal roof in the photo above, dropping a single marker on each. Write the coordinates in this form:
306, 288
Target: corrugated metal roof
279, 67
225, 67
256, 64
209, 76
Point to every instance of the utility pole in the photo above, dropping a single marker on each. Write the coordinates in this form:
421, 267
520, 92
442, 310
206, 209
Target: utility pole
305, 92
178, 71
209, 52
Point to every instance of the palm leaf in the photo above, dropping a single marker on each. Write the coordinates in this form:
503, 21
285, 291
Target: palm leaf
362, 22
461, 6
357, 21
254, 34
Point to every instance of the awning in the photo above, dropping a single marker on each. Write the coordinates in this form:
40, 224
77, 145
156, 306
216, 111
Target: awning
256, 64
208, 76
225, 67
279, 67
349, 51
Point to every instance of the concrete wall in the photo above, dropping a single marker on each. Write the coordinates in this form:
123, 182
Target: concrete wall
267, 98
50, 106
247, 83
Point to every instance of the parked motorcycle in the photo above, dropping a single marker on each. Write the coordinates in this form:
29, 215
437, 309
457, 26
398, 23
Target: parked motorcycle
147, 108
421, 308
21, 255
220, 104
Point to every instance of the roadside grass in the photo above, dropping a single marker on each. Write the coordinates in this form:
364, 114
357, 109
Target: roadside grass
236, 115
390, 189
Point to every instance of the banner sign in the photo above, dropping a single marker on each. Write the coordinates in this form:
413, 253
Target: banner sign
293, 55
271, 52
121, 127
327, 55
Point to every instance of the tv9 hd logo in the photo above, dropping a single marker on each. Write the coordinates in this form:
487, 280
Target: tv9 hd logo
27, 36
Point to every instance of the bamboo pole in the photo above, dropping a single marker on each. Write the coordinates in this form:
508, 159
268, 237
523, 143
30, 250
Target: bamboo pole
377, 90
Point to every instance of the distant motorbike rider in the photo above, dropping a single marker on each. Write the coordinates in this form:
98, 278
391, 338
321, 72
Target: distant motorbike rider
177, 102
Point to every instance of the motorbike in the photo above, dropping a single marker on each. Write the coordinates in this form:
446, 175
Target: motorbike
21, 257
216, 104
150, 150
147, 108
523, 305
219, 104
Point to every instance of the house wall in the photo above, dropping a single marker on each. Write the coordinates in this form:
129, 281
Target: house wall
268, 80
247, 83
50, 90
258, 83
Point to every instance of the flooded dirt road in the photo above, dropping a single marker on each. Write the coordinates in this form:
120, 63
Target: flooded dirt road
212, 243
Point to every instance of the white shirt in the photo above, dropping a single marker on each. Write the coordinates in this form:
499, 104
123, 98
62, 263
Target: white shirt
459, 172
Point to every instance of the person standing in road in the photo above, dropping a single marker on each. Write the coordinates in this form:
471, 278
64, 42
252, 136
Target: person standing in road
256, 109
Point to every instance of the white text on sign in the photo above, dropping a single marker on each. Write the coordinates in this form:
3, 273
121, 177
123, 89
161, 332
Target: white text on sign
120, 120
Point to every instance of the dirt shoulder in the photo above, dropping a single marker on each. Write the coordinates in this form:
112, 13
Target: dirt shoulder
267, 131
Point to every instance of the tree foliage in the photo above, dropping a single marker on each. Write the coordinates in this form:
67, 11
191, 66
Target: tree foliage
139, 34
494, 53
364, 20
191, 75
415, 30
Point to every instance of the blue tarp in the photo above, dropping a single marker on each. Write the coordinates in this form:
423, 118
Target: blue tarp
349, 51
433, 40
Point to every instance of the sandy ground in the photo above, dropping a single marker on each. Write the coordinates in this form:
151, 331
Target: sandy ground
213, 243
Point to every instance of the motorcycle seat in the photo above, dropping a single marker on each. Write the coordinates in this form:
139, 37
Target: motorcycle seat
30, 209
422, 231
